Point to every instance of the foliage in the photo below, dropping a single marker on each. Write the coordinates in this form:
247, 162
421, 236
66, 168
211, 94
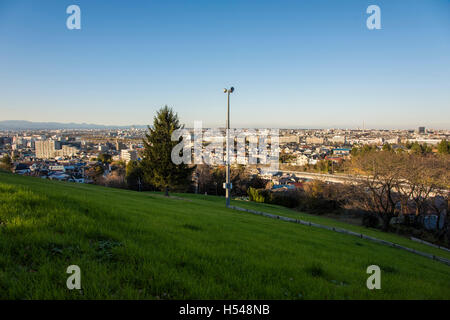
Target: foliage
259, 195
419, 148
116, 179
286, 157
159, 170
105, 158
367, 148
370, 220
95, 173
6, 162
324, 166
320, 197
288, 199
210, 180
444, 147
134, 175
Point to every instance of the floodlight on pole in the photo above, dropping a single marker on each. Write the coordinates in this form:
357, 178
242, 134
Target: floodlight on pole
228, 186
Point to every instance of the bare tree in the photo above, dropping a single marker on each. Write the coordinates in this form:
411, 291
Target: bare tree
203, 173
421, 178
380, 177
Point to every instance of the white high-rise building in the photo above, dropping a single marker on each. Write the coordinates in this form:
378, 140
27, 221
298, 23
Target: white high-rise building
46, 149
128, 155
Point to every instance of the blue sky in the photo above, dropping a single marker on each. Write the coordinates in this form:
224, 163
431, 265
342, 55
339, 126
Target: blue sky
305, 64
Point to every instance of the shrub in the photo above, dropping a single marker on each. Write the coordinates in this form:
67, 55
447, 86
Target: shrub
318, 197
370, 220
288, 199
115, 180
259, 195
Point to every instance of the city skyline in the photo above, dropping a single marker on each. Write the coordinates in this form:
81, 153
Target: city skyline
33, 126
294, 65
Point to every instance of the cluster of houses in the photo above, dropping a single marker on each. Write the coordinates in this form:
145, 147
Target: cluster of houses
53, 170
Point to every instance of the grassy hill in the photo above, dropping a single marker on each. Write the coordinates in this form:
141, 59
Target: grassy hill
132, 245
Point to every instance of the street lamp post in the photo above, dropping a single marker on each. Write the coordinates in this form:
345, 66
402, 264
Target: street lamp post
228, 185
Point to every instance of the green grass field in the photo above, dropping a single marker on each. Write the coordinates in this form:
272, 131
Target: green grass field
132, 245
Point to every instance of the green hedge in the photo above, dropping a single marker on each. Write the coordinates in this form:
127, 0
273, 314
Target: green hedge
288, 199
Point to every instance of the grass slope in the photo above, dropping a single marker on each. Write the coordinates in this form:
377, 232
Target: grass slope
132, 245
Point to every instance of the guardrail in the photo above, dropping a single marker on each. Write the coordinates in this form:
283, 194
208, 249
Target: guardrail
344, 231
429, 244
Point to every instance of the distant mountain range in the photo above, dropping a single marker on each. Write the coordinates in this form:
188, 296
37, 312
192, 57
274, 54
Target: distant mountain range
29, 125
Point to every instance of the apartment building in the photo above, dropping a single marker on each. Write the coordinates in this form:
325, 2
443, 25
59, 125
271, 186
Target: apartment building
128, 155
46, 149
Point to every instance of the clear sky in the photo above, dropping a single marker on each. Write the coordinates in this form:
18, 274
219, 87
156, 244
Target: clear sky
304, 64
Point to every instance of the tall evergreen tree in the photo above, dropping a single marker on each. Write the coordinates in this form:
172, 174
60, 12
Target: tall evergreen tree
159, 170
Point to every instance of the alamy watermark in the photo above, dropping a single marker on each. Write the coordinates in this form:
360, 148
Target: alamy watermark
374, 20
211, 146
74, 20
374, 281
74, 280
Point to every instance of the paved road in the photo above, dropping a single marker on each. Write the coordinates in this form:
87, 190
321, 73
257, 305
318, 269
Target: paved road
336, 178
